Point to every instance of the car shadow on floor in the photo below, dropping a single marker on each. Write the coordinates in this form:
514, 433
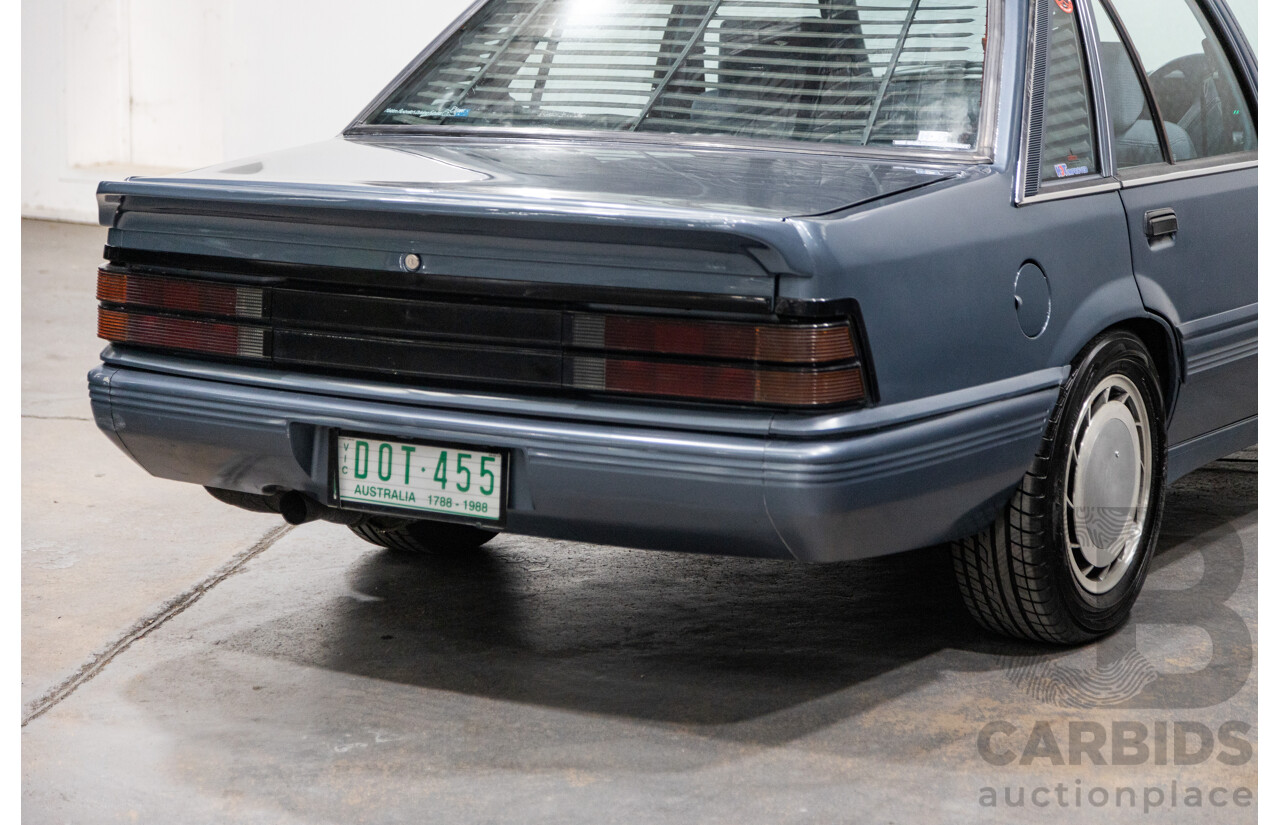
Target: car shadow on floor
681, 639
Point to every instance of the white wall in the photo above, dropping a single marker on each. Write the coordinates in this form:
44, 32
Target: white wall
118, 87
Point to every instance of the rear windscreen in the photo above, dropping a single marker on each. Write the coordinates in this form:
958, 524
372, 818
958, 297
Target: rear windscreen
883, 72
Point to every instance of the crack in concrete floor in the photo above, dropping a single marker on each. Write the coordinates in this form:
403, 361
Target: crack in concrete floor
148, 624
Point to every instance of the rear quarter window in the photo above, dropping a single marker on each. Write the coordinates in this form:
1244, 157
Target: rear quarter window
1068, 145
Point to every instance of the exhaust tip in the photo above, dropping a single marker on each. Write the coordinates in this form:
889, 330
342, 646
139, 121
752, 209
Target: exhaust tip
294, 509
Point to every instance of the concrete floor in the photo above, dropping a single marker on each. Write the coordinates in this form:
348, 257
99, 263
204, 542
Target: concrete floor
187, 662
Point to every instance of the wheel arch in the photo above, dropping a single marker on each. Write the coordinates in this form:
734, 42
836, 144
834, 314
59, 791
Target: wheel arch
1158, 337
1116, 305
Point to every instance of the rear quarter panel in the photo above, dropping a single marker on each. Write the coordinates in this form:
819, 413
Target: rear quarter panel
933, 273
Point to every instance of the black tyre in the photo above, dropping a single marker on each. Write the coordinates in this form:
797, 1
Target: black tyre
1066, 560
434, 537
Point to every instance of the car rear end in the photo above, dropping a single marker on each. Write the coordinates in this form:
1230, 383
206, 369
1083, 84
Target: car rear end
531, 292
622, 381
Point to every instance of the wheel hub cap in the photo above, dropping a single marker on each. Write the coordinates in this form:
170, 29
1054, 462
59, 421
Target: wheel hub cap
1108, 484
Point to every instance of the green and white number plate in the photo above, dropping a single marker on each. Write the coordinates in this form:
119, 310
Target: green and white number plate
453, 481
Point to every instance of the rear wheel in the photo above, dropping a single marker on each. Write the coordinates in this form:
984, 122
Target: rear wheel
422, 537
1066, 560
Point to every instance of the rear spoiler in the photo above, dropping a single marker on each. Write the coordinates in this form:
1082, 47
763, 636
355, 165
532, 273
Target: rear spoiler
779, 246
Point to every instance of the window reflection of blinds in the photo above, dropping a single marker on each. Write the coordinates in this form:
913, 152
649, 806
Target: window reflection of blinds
1068, 119
849, 71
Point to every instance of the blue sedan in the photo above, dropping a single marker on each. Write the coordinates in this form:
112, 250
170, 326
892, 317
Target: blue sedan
807, 279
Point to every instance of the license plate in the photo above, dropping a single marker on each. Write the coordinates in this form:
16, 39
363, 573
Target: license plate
425, 478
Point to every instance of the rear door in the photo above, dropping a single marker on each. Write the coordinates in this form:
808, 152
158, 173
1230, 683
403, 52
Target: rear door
1185, 149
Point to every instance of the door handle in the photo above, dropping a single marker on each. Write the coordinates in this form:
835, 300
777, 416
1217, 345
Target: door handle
1161, 223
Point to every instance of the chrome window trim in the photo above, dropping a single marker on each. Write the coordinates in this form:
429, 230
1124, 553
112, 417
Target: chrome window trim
512, 134
1146, 176
982, 153
1199, 168
1075, 189
989, 102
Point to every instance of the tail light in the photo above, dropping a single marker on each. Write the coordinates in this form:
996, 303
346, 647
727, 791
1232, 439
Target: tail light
210, 335
777, 364
740, 384
181, 333
181, 295
800, 365
809, 344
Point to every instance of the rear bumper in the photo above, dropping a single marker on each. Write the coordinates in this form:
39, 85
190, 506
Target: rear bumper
815, 488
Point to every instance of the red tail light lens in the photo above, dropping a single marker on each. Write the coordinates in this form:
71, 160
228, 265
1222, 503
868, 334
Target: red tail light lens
747, 385
774, 343
180, 294
180, 333
795, 365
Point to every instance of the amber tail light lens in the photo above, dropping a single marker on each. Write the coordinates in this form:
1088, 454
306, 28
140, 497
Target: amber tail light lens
209, 337
181, 295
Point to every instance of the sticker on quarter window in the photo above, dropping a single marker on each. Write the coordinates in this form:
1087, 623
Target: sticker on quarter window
1067, 6
1064, 171
452, 111
933, 140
